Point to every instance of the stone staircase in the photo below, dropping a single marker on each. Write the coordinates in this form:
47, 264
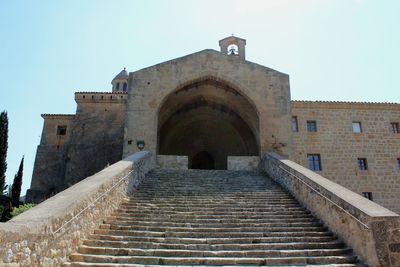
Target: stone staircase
218, 218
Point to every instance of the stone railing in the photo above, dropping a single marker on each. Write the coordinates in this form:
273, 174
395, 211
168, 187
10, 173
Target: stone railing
371, 230
46, 234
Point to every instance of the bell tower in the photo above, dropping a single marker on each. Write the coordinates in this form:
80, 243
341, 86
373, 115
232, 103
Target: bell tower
233, 46
120, 82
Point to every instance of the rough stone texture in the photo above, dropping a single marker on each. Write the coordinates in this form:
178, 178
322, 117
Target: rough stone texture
212, 218
46, 234
265, 89
96, 131
172, 162
242, 163
339, 147
226, 106
370, 229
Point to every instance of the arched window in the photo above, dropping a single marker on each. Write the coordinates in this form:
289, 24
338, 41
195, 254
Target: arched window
125, 86
117, 87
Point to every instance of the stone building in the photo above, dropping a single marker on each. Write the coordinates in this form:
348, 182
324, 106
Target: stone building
216, 110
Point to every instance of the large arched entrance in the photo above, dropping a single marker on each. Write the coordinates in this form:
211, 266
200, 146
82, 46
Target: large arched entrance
208, 120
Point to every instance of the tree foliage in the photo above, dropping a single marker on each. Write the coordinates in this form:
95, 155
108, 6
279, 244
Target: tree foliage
16, 186
3, 148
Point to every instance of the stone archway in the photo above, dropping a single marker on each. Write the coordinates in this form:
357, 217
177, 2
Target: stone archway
208, 120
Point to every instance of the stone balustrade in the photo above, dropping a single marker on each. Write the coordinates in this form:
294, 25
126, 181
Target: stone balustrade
47, 233
370, 229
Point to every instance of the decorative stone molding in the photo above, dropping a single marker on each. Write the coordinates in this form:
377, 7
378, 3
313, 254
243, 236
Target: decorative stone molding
370, 229
46, 234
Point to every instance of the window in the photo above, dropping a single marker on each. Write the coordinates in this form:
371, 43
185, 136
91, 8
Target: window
311, 126
367, 195
125, 86
295, 126
61, 130
314, 162
395, 127
362, 164
398, 163
117, 86
356, 127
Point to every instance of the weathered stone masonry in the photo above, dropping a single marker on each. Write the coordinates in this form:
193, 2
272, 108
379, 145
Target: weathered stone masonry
209, 106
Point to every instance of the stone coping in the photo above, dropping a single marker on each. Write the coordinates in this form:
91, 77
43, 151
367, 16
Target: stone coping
50, 231
372, 231
344, 105
58, 116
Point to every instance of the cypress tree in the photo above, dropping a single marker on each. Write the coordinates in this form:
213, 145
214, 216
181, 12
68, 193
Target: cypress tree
3, 148
16, 187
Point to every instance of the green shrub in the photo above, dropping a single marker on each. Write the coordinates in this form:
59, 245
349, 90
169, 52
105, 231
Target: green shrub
21, 209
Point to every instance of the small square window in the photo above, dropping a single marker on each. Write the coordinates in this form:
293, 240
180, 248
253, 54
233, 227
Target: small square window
395, 127
356, 127
312, 126
295, 126
61, 130
367, 195
362, 164
314, 162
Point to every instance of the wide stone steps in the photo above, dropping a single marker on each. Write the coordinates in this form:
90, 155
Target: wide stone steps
215, 261
208, 253
211, 218
309, 244
273, 232
219, 240
202, 228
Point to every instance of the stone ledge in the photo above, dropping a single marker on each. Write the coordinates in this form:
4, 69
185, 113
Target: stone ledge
370, 229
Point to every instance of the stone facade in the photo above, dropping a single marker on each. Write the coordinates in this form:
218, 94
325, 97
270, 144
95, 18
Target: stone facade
212, 105
95, 132
339, 147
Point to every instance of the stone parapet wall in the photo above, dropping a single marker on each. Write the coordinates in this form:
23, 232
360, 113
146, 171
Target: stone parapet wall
370, 229
243, 163
46, 234
172, 162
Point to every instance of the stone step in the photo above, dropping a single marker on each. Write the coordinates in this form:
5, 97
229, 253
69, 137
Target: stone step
213, 247
188, 217
216, 240
194, 212
206, 253
266, 227
86, 264
213, 260
310, 231
213, 223
242, 208
225, 219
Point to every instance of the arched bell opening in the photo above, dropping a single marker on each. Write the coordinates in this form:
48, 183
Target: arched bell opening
207, 121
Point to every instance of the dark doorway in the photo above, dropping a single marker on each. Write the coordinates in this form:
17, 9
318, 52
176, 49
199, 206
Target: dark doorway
203, 160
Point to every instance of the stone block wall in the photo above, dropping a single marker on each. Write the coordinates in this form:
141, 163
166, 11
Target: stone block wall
368, 228
93, 140
46, 234
172, 162
242, 163
339, 147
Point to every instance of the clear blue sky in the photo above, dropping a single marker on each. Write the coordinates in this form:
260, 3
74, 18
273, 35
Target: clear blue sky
332, 50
